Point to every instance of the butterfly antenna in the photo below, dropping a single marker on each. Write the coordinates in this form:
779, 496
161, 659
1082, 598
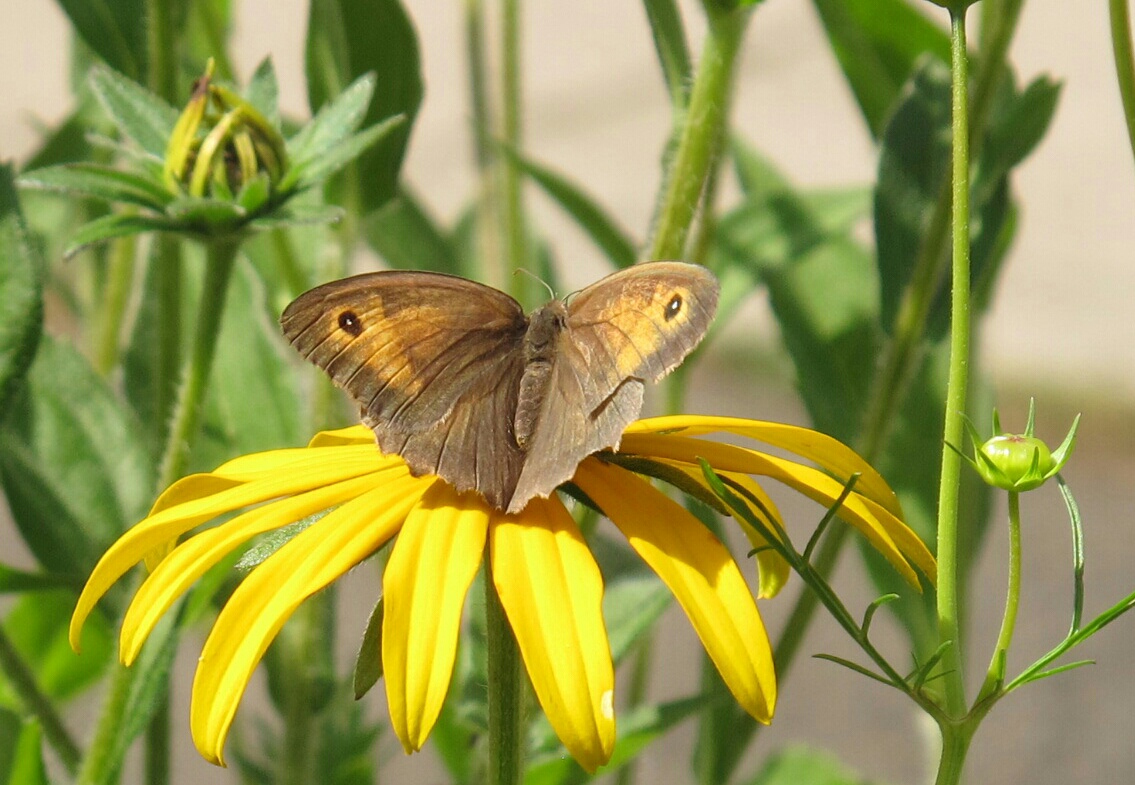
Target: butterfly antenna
551, 292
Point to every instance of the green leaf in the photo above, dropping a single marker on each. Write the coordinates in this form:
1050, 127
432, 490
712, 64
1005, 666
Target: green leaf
108, 227
14, 581
138, 113
333, 123
368, 661
877, 43
21, 291
822, 290
100, 182
1018, 124
21, 759
670, 43
408, 238
263, 92
204, 213
804, 766
631, 607
348, 38
313, 172
71, 462
591, 217
298, 215
114, 29
551, 764
37, 626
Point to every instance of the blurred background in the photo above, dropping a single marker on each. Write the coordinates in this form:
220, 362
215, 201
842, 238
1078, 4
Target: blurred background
1061, 329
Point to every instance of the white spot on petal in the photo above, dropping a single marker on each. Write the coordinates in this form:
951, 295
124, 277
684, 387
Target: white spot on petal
607, 704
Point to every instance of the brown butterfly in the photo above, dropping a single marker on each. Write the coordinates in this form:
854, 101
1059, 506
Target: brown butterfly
452, 376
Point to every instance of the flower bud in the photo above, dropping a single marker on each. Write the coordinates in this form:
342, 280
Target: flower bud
1018, 462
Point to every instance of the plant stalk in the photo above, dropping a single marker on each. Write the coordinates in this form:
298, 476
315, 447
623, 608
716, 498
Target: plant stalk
505, 689
700, 136
221, 257
996, 674
949, 627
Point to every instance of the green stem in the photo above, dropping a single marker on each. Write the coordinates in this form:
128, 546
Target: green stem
98, 765
505, 690
288, 263
163, 48
167, 270
34, 701
1124, 62
996, 674
515, 231
955, 744
490, 261
158, 741
221, 256
701, 134
949, 627
115, 296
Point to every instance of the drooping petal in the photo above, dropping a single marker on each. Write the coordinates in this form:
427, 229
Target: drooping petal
832, 454
268, 596
434, 560
171, 521
552, 593
810, 482
700, 571
192, 558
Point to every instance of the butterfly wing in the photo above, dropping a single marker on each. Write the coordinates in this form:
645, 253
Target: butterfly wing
433, 360
635, 325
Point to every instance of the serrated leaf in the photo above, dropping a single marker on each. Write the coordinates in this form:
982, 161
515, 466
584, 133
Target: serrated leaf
349, 38
71, 462
114, 29
21, 291
670, 44
100, 182
138, 113
877, 43
109, 227
408, 238
589, 214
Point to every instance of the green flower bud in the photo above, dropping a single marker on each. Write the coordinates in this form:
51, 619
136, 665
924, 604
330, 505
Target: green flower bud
1017, 462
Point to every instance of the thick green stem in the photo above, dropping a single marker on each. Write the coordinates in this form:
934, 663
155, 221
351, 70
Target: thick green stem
1124, 62
187, 413
163, 48
167, 270
955, 744
505, 690
23, 682
701, 134
949, 627
115, 296
99, 763
996, 674
158, 742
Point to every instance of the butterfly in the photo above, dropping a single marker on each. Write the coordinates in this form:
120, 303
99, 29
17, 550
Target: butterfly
454, 377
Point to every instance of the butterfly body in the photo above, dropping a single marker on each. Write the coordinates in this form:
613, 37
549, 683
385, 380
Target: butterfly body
452, 376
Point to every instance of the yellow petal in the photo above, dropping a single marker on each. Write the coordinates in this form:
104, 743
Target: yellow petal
810, 482
192, 558
157, 530
552, 593
832, 454
434, 560
354, 434
268, 596
700, 571
300, 460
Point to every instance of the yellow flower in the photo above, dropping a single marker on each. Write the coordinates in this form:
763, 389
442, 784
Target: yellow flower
548, 581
